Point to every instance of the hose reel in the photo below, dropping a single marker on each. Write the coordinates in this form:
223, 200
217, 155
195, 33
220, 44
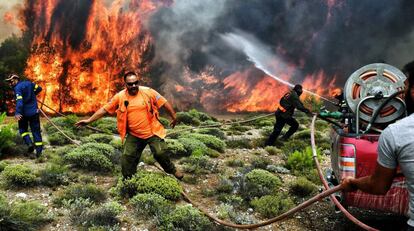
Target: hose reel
368, 87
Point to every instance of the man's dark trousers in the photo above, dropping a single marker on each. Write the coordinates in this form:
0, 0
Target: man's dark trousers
280, 123
34, 123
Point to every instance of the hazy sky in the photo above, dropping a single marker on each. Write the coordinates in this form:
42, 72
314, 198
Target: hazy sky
6, 29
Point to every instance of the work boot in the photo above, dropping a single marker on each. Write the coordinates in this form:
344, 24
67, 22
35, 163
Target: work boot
178, 175
30, 149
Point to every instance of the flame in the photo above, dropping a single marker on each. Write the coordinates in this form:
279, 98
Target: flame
81, 78
8, 17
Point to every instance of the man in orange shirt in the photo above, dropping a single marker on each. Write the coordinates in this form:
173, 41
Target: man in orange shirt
136, 108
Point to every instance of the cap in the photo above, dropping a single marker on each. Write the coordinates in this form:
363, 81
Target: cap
12, 76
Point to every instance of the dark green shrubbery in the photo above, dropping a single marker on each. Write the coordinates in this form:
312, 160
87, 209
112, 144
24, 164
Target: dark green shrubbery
201, 115
293, 145
301, 161
213, 131
184, 218
88, 215
258, 183
239, 128
92, 157
57, 138
106, 124
67, 125
149, 182
261, 162
239, 143
54, 175
76, 191
165, 122
235, 163
193, 146
175, 148
22, 215
98, 138
209, 140
150, 205
187, 118
198, 165
18, 176
3, 165
6, 134
272, 205
302, 187
272, 150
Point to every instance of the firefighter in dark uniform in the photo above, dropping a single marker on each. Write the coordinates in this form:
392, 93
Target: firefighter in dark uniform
284, 114
27, 112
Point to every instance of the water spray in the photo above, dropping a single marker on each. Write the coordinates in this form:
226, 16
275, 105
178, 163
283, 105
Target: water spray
258, 54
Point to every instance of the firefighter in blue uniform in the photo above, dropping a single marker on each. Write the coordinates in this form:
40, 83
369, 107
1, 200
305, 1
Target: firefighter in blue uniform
284, 115
27, 112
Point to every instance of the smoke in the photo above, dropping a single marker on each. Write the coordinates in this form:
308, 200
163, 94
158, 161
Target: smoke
8, 18
337, 37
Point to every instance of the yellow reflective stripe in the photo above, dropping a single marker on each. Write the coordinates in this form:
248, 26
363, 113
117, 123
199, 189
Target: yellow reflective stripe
25, 134
35, 87
19, 97
39, 143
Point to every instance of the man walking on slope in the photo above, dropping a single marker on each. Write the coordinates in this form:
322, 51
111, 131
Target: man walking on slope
137, 108
284, 114
27, 112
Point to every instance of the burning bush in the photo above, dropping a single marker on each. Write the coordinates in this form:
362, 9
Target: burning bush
272, 205
149, 182
92, 156
150, 205
76, 191
259, 183
18, 175
184, 218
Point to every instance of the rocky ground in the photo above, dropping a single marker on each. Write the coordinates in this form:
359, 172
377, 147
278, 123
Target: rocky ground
320, 216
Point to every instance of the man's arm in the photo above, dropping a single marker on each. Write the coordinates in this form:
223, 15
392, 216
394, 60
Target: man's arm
378, 183
19, 103
37, 89
299, 105
171, 112
97, 115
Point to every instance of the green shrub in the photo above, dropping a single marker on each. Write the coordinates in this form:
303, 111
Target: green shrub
301, 161
147, 157
53, 175
272, 205
6, 134
150, 205
3, 165
187, 118
261, 162
57, 138
302, 187
224, 186
175, 148
24, 215
106, 124
165, 122
117, 144
98, 138
259, 183
201, 115
209, 140
213, 131
184, 218
272, 150
198, 165
92, 156
76, 191
18, 175
239, 128
193, 146
293, 145
239, 143
266, 131
313, 176
235, 163
149, 182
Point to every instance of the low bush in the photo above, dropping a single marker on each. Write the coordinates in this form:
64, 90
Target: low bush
3, 165
92, 157
54, 175
6, 134
239, 143
301, 161
272, 150
201, 115
165, 122
97, 138
235, 163
224, 186
184, 218
57, 138
76, 191
106, 124
198, 165
150, 205
18, 176
258, 183
302, 187
261, 162
209, 140
149, 182
187, 118
175, 148
214, 132
239, 128
193, 146
272, 205
293, 145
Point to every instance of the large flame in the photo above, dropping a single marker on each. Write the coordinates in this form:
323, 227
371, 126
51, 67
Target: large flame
82, 78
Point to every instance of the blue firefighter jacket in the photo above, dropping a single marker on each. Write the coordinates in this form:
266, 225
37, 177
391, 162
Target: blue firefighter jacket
26, 102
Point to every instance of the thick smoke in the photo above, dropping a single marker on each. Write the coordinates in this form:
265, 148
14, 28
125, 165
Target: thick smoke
337, 37
8, 19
